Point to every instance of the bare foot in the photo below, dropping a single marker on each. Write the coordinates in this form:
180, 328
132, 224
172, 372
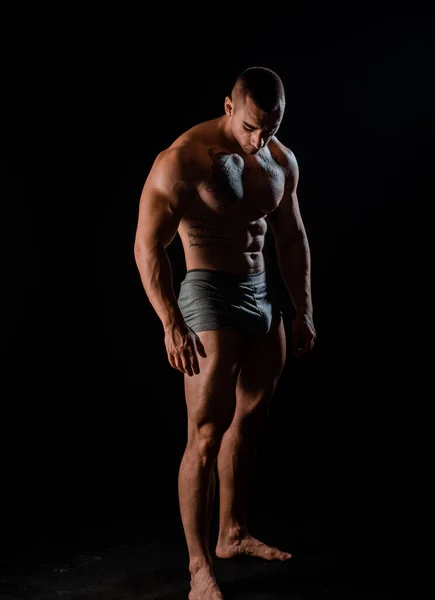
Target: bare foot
203, 585
246, 544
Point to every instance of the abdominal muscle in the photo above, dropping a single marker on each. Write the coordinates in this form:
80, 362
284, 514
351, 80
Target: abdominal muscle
220, 253
246, 263
221, 244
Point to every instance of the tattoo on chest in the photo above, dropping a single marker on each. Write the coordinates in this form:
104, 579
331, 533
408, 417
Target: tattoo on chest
226, 179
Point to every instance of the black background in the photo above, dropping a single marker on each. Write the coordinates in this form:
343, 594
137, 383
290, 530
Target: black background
94, 422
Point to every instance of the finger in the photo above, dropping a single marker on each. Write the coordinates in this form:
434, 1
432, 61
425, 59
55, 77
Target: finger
179, 363
191, 358
172, 361
311, 340
305, 348
194, 361
296, 345
200, 347
187, 368
307, 345
296, 338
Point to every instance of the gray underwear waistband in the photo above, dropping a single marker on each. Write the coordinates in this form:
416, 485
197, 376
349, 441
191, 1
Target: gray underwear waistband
227, 278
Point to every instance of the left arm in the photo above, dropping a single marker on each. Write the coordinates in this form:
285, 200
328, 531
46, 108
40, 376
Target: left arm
294, 259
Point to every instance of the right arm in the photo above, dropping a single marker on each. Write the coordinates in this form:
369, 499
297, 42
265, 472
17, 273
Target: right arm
164, 198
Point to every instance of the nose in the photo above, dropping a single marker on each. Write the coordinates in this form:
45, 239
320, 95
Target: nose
257, 141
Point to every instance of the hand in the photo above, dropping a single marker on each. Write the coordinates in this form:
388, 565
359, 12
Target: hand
303, 336
183, 346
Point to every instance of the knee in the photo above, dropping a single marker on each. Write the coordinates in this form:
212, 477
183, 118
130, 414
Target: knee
250, 421
206, 441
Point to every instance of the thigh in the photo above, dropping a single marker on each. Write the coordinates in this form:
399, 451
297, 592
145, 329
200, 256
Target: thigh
261, 368
211, 394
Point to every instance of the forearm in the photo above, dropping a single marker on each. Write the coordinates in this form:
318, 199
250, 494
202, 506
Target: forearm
156, 276
294, 262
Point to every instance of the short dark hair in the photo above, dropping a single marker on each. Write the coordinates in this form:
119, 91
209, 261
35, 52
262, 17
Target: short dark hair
263, 85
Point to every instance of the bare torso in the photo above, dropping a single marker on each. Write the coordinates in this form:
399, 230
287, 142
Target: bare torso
225, 224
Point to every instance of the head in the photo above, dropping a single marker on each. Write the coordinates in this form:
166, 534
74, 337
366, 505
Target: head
255, 108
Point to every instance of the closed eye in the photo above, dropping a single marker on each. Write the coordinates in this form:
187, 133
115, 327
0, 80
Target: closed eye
267, 133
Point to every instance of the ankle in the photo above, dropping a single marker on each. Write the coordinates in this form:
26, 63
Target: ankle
232, 532
196, 564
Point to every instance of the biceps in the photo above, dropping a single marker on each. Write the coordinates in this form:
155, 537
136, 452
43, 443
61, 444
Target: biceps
286, 221
157, 222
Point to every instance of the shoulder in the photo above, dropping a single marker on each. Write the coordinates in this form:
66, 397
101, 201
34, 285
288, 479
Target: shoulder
180, 161
186, 155
191, 146
286, 158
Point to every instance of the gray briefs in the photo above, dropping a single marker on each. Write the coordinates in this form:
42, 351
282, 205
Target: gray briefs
210, 299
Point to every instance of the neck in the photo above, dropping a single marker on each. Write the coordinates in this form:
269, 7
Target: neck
228, 137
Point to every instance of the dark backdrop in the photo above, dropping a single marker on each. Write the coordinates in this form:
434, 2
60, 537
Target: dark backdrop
94, 418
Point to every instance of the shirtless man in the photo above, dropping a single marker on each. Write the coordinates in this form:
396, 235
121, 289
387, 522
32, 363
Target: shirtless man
220, 185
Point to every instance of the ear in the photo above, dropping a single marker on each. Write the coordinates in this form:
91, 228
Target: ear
228, 106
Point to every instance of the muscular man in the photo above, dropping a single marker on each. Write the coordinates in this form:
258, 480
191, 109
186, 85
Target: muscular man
219, 185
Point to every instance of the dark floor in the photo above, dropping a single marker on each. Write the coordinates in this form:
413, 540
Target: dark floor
143, 561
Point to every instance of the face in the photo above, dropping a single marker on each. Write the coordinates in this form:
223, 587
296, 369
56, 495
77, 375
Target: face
251, 126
